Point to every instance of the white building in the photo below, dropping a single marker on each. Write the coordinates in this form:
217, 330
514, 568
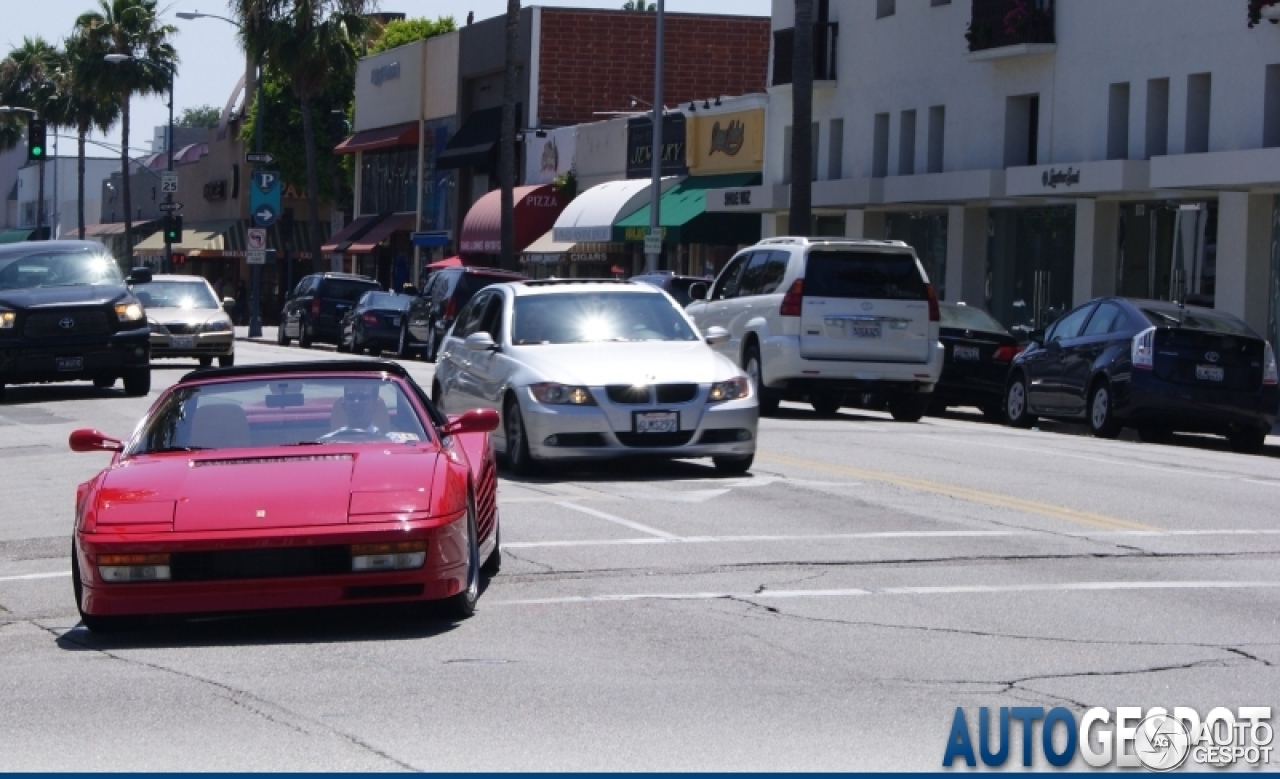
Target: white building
60, 201
1038, 154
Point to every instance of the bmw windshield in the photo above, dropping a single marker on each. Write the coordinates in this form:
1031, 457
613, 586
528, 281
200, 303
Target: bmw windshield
592, 317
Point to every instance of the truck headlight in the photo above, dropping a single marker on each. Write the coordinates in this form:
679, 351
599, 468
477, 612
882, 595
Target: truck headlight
129, 312
7, 319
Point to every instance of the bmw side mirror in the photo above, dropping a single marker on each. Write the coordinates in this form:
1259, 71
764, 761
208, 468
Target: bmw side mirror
697, 291
716, 335
480, 342
140, 275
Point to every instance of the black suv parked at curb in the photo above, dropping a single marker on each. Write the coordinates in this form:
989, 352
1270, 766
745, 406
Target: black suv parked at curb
432, 312
315, 308
66, 315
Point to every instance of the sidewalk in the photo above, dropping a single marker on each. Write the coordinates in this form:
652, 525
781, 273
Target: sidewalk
268, 334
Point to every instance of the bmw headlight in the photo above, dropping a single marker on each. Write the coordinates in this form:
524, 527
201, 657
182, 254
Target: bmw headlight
7, 318
554, 394
733, 389
129, 312
217, 326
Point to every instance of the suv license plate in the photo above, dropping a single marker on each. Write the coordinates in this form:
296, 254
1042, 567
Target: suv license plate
657, 422
966, 353
183, 342
69, 363
1209, 372
864, 329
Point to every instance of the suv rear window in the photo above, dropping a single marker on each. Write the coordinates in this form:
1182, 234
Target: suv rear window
346, 289
856, 274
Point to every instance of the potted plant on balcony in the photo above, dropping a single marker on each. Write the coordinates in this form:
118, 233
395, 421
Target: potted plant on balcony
979, 37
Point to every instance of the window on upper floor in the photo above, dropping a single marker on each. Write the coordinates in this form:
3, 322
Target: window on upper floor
1271, 108
885, 8
937, 136
1118, 122
1199, 90
880, 147
1157, 118
835, 150
1021, 130
907, 144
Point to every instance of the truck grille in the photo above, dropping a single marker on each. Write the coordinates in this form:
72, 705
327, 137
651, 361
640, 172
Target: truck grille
49, 324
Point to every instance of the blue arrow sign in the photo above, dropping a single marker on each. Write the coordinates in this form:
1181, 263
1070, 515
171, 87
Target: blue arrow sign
264, 197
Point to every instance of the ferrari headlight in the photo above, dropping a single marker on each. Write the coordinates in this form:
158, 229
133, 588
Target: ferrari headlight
217, 326
388, 557
129, 312
733, 389
134, 567
7, 319
554, 394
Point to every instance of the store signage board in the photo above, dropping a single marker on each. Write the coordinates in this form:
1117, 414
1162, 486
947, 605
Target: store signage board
256, 257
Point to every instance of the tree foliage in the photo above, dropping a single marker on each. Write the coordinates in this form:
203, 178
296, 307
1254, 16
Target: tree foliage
200, 116
404, 31
282, 133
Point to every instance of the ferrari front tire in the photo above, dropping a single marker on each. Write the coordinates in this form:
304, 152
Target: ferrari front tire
493, 563
463, 605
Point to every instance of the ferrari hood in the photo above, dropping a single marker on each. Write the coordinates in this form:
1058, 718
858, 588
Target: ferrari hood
274, 488
641, 362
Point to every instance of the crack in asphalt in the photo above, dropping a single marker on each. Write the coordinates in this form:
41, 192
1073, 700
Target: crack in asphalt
242, 698
550, 569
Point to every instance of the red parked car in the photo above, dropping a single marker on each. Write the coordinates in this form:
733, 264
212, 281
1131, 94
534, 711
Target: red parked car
284, 486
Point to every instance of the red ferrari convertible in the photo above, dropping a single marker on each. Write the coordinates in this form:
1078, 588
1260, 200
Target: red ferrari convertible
284, 486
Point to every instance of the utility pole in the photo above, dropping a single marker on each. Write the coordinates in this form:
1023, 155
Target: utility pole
651, 260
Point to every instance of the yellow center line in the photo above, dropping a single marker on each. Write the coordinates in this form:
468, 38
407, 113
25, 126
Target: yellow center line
963, 493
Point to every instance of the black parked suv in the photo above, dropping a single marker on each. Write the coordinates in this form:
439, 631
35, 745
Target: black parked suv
314, 309
675, 286
66, 315
432, 312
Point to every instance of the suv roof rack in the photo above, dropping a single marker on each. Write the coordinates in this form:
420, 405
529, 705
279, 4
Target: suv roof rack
554, 282
805, 241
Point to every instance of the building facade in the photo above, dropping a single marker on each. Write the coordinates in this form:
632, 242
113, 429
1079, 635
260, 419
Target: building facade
1039, 153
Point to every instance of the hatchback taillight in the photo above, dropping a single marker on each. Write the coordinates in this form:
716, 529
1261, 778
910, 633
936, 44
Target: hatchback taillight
792, 301
370, 319
935, 314
315, 306
1269, 374
450, 308
1005, 353
1143, 349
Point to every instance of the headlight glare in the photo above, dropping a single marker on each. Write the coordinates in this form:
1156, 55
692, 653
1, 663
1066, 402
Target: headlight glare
7, 319
733, 389
128, 312
217, 326
554, 394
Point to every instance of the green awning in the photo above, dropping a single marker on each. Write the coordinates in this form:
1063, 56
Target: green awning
684, 219
15, 236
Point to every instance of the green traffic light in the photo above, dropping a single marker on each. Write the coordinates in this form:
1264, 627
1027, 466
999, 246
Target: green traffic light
36, 151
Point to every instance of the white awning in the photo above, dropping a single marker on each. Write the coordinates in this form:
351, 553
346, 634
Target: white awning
546, 249
590, 217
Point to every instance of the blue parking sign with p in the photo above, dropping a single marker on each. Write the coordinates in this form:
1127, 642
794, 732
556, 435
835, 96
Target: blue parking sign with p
264, 197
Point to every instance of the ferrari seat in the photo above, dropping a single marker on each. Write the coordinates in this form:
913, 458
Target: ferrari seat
381, 417
220, 426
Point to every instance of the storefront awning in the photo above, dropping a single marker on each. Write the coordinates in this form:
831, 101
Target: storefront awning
472, 145
683, 215
349, 234
592, 215
15, 236
536, 209
547, 249
196, 237
380, 138
381, 231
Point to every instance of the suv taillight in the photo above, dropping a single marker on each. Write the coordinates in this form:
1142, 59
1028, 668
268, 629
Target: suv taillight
370, 319
315, 306
450, 307
791, 302
1269, 374
1143, 349
935, 314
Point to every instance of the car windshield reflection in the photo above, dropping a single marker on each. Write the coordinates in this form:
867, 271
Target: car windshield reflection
593, 317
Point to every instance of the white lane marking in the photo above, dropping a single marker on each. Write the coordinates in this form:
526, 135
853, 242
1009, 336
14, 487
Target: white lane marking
653, 531
975, 589
870, 536
35, 576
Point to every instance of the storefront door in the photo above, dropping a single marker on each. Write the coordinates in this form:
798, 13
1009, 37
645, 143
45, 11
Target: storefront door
927, 234
1030, 266
1168, 251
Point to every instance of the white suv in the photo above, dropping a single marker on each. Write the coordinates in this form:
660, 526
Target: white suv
816, 318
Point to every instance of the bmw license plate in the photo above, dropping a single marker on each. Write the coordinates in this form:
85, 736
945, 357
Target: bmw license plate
1209, 372
966, 353
863, 329
657, 421
69, 363
183, 342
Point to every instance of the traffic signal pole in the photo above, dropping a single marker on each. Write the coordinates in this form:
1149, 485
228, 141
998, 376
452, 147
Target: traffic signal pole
255, 271
168, 198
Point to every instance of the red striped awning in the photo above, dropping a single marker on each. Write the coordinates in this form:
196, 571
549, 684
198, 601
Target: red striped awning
381, 231
536, 209
380, 138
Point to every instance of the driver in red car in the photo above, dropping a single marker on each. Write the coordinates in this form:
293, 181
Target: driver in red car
357, 406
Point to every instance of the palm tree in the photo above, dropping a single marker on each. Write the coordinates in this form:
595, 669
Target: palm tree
83, 102
307, 42
27, 79
801, 216
507, 154
132, 28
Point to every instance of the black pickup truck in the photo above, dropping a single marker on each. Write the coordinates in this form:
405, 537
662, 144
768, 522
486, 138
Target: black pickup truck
66, 315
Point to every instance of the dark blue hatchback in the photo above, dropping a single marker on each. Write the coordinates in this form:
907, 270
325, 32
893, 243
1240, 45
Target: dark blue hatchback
1153, 365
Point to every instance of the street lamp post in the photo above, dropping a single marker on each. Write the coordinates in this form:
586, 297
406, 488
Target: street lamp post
168, 198
255, 271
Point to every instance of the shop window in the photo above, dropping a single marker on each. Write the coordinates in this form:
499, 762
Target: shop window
880, 147
885, 8
927, 234
388, 181
1199, 89
907, 144
1021, 130
1157, 117
1118, 122
1271, 109
937, 130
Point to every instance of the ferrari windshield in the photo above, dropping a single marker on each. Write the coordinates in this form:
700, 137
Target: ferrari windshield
57, 268
254, 413
588, 317
176, 294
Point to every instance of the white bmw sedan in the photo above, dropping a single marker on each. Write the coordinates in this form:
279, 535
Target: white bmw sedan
582, 370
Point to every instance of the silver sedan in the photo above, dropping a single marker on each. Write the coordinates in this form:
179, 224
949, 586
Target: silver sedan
187, 320
590, 369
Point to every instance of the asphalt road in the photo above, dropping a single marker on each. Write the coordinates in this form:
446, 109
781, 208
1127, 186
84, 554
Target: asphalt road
827, 612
